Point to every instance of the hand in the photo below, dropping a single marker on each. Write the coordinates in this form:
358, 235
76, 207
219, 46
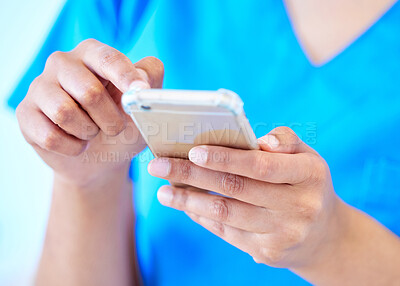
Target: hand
278, 203
72, 114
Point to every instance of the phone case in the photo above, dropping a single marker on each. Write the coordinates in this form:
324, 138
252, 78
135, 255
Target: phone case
173, 121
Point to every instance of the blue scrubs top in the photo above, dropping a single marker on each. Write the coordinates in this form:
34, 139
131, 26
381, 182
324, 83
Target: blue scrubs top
348, 110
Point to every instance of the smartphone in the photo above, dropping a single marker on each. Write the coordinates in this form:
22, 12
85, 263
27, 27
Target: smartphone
173, 121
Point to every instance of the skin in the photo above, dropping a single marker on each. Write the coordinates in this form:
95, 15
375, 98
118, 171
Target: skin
279, 204
71, 116
326, 28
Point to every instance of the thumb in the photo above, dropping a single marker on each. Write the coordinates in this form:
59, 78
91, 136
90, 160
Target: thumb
284, 140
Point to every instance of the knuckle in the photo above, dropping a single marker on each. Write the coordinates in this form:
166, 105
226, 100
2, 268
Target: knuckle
323, 169
262, 256
263, 166
291, 141
288, 145
155, 62
51, 140
22, 113
219, 210
35, 84
309, 209
90, 131
218, 228
294, 235
92, 95
125, 73
185, 170
119, 126
154, 69
79, 149
272, 257
64, 113
157, 66
85, 45
287, 138
221, 157
87, 42
180, 199
57, 58
231, 184
258, 260
283, 130
20, 110
319, 172
108, 56
115, 127
312, 210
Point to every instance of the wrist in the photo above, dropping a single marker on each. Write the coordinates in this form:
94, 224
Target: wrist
85, 222
95, 182
114, 188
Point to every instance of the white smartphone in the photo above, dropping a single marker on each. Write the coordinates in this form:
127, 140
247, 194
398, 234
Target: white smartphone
173, 121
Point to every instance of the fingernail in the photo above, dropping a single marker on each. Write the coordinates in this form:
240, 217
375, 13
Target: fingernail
159, 167
271, 141
165, 195
138, 84
198, 155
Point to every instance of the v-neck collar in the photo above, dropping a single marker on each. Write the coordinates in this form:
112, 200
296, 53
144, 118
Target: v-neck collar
347, 47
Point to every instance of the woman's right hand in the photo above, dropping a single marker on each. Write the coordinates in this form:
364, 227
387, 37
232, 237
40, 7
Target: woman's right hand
72, 114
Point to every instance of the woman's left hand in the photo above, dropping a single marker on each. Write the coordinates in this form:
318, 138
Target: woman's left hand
278, 203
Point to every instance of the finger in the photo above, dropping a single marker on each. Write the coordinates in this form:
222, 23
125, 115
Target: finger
235, 186
39, 130
255, 164
244, 240
284, 140
153, 71
63, 111
84, 87
109, 64
221, 209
